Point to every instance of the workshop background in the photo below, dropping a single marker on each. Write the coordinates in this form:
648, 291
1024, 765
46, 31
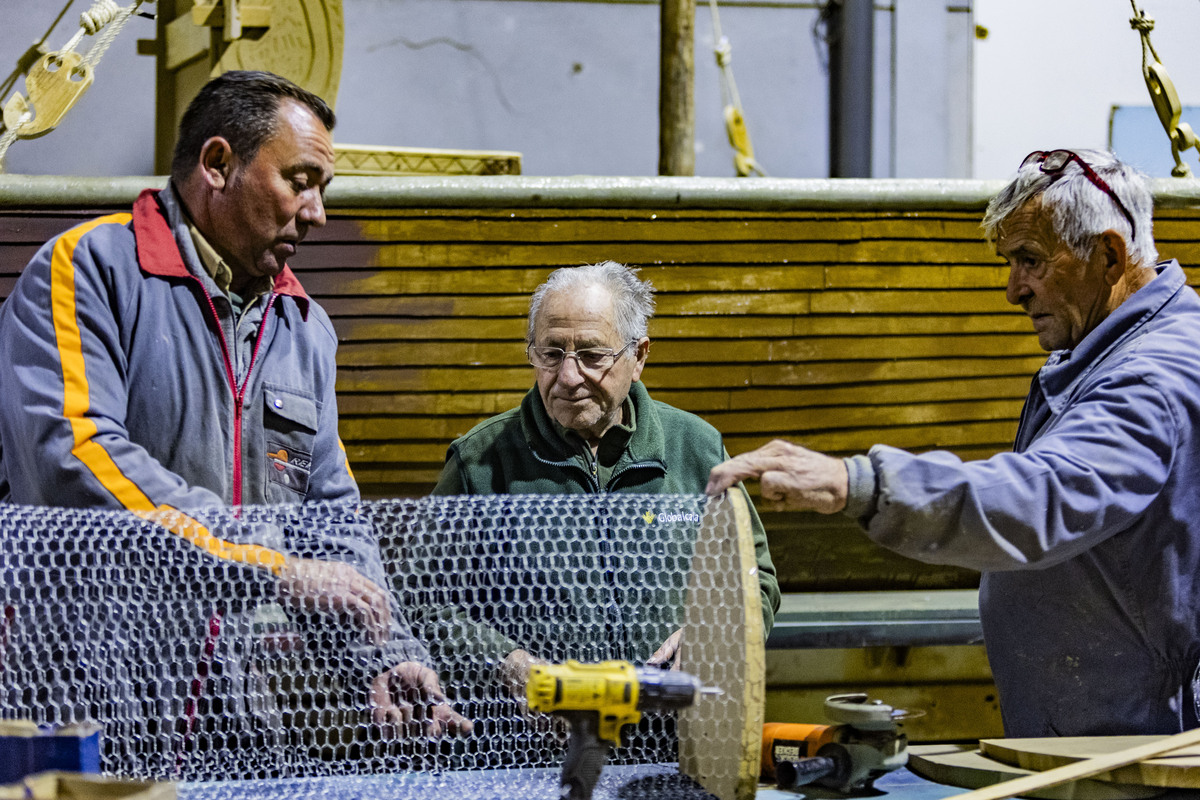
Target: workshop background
834, 315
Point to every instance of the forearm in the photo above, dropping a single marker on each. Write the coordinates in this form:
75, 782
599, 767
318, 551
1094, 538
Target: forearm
1012, 511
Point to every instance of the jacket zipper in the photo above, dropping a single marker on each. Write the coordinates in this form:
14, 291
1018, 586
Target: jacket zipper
238, 392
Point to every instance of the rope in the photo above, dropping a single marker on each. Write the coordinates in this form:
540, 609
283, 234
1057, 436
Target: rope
1163, 94
10, 136
1143, 25
735, 123
99, 16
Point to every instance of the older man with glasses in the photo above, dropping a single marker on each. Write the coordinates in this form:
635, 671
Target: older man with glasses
1088, 533
589, 425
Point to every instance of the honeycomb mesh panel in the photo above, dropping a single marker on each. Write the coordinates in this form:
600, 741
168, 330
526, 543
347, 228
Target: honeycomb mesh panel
200, 670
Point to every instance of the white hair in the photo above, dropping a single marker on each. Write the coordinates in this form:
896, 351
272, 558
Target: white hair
632, 298
1079, 210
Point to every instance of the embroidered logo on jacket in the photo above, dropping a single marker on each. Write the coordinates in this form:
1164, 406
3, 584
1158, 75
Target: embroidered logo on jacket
289, 468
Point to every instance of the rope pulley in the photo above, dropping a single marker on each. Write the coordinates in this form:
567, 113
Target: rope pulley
1163, 94
57, 80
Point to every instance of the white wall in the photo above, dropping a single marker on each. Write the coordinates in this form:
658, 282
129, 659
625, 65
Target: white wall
572, 85
1050, 70
1046, 76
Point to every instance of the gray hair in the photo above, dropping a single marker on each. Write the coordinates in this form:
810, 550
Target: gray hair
1079, 210
633, 299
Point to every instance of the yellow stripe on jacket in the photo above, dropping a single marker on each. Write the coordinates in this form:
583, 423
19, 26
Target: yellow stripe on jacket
77, 403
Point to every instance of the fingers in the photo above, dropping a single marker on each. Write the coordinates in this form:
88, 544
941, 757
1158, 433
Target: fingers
514, 671
366, 604
728, 473
749, 466
387, 711
446, 720
791, 477
408, 698
333, 587
665, 654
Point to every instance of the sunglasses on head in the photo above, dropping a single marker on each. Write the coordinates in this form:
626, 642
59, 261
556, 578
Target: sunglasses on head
1054, 161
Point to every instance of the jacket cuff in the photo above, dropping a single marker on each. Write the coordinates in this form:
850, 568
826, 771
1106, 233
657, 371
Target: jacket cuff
862, 488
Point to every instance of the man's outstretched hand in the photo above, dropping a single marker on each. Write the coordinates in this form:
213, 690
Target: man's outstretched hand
408, 698
792, 477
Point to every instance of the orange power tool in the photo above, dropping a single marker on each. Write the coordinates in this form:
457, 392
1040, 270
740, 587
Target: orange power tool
863, 743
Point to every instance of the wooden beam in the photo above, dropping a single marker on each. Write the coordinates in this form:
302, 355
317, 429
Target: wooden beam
212, 15
676, 103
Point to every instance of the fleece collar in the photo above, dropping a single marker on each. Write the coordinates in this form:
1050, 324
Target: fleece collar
645, 444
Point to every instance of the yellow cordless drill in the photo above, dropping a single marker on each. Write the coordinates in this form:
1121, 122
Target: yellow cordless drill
597, 700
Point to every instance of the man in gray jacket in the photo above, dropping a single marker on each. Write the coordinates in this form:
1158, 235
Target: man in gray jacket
168, 360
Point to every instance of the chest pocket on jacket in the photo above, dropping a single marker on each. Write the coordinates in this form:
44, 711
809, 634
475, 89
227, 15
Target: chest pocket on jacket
290, 420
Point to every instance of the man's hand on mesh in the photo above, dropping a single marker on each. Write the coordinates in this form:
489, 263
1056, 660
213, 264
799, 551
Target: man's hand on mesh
792, 477
514, 672
408, 698
667, 654
337, 589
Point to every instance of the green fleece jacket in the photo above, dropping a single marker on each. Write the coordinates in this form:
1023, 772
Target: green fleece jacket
660, 450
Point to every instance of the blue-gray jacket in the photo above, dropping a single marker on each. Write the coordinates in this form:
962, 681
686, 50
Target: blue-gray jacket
1088, 534
125, 384
128, 384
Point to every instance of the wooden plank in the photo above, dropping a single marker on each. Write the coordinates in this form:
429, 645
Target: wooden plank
829, 553
1180, 769
971, 301
716, 351
871, 371
736, 303
482, 404
475, 254
792, 422
415, 329
447, 306
650, 227
918, 439
381, 327
929, 276
934, 227
917, 251
837, 348
410, 279
447, 378
811, 420
1011, 388
37, 229
662, 326
404, 445
963, 765
1088, 768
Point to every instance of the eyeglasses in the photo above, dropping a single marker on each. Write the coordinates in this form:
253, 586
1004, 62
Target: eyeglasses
593, 359
1055, 161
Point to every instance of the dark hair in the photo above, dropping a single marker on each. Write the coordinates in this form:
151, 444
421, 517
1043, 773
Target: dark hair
241, 106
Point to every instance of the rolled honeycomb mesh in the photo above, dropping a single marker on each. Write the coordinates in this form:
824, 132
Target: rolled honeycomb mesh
200, 668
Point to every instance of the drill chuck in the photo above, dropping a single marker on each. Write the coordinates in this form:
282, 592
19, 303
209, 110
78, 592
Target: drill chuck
665, 690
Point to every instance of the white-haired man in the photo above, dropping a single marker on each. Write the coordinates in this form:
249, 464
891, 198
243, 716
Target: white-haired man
590, 426
1087, 533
